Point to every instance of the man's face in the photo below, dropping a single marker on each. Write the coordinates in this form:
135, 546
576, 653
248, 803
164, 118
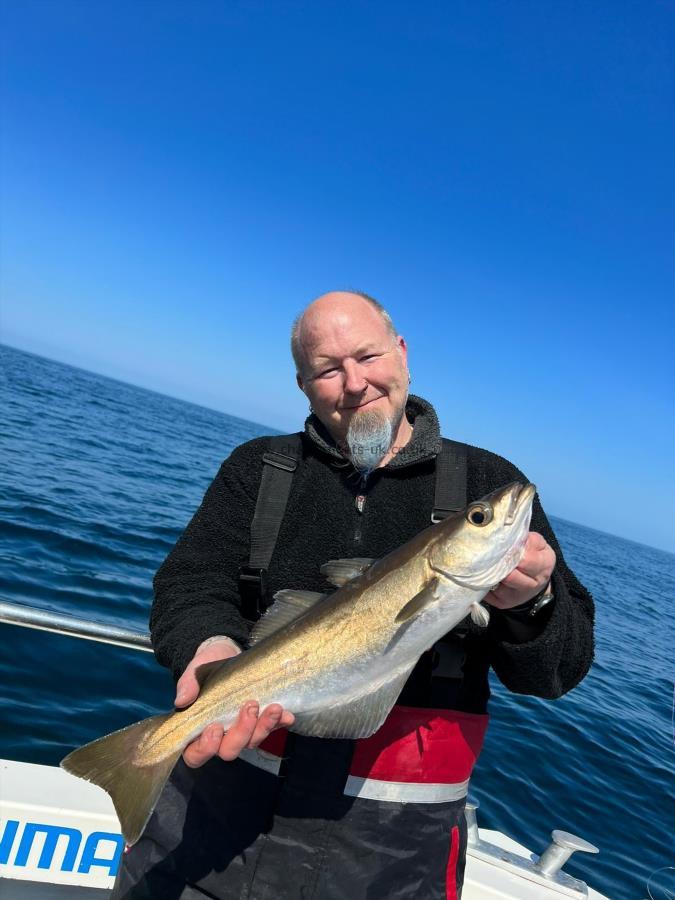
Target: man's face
352, 365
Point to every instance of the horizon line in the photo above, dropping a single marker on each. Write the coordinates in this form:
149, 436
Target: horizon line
221, 412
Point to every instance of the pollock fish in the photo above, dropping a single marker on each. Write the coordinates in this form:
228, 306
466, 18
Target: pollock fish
337, 662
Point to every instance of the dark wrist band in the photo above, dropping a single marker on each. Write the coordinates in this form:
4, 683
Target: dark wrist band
532, 606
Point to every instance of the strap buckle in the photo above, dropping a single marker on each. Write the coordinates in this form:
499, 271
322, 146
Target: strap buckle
280, 460
253, 591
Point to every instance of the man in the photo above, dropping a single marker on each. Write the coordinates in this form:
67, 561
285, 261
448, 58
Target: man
289, 823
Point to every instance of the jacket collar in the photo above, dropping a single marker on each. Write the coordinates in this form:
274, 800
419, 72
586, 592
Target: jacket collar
424, 444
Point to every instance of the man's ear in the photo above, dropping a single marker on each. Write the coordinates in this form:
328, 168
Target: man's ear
402, 348
300, 383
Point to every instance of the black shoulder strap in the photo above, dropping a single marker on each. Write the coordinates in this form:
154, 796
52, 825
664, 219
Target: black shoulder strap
450, 491
280, 463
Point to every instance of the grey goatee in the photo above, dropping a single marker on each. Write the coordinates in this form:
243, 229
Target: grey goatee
369, 438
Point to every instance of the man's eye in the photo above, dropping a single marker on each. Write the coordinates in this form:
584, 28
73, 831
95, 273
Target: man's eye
326, 373
369, 356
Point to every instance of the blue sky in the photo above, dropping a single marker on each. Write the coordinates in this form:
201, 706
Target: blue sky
179, 179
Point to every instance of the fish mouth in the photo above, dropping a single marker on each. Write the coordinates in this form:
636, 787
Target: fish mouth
520, 495
517, 521
518, 514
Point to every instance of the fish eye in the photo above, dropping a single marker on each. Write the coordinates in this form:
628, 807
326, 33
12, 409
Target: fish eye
479, 514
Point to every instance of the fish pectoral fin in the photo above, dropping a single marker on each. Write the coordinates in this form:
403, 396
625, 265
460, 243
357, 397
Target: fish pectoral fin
357, 717
426, 597
340, 571
480, 614
288, 605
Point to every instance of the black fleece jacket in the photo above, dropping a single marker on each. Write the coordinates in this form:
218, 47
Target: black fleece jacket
196, 592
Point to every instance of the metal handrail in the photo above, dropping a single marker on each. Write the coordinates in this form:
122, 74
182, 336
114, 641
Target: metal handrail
59, 623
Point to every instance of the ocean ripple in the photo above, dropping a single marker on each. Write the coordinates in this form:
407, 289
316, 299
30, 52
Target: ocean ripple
102, 477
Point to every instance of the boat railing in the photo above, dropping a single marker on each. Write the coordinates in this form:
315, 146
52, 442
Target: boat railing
47, 620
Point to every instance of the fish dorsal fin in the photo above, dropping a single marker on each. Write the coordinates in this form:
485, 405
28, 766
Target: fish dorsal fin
354, 717
340, 571
288, 605
206, 670
419, 602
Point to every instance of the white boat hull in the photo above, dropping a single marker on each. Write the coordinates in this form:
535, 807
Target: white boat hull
60, 838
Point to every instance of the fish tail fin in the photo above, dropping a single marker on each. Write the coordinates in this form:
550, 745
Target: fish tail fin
479, 614
113, 763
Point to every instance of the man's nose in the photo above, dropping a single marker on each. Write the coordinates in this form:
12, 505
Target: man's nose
355, 379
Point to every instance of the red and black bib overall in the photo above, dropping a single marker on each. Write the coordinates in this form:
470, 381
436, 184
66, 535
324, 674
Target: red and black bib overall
314, 818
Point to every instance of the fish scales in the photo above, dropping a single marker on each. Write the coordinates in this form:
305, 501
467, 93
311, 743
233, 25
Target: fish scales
287, 661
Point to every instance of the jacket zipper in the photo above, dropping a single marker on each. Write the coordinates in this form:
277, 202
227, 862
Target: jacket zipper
360, 503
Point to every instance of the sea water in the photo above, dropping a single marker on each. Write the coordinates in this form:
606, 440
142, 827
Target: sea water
99, 478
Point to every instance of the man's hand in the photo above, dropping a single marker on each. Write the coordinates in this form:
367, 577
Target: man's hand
531, 576
249, 730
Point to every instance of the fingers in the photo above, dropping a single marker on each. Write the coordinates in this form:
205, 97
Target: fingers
532, 574
228, 746
538, 560
287, 719
271, 718
211, 650
204, 748
536, 541
239, 735
530, 577
268, 720
249, 730
187, 689
518, 581
515, 589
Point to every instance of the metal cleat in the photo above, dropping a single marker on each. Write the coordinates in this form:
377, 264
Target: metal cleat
545, 870
559, 851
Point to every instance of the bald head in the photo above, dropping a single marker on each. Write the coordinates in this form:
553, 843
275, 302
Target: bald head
338, 307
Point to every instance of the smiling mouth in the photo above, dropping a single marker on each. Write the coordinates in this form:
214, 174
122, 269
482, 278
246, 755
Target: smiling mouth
361, 405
